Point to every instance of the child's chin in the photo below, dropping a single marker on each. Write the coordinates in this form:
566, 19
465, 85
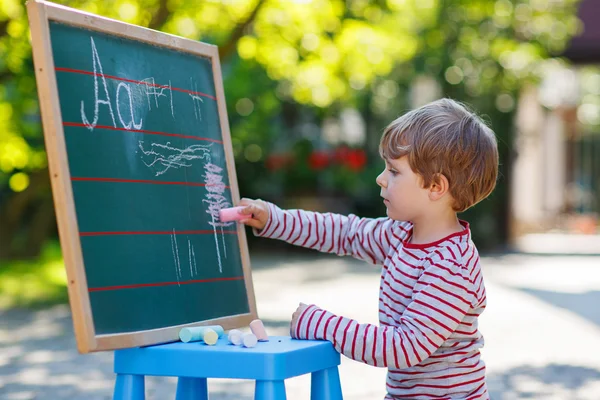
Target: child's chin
395, 215
391, 214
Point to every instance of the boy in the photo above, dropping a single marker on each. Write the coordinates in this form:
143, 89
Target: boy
440, 159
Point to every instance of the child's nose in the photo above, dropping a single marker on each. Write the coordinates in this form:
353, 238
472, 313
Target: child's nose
380, 180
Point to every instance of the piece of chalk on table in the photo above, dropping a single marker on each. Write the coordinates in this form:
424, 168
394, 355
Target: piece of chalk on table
196, 333
249, 340
210, 337
233, 214
258, 329
235, 337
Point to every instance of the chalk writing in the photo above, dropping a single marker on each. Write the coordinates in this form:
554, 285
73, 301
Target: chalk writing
132, 122
98, 101
171, 92
165, 156
197, 101
102, 97
192, 257
157, 91
176, 256
160, 157
216, 201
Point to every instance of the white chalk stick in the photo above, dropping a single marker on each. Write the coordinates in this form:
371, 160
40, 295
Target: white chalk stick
249, 340
235, 337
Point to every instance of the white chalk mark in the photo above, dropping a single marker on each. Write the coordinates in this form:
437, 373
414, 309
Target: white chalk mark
197, 101
175, 256
128, 90
194, 257
167, 156
171, 92
97, 64
177, 253
152, 89
223, 240
197, 109
157, 91
218, 252
149, 88
190, 258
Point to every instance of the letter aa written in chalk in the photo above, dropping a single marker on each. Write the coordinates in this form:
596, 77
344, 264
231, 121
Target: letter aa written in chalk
125, 98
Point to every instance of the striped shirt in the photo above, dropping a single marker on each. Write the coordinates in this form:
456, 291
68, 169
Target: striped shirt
430, 298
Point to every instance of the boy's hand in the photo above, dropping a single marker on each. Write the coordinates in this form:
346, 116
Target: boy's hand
257, 210
295, 317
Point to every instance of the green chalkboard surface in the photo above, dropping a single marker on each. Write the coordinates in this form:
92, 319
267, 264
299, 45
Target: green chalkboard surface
149, 164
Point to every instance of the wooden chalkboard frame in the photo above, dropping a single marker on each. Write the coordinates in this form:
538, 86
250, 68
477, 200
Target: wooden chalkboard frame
40, 14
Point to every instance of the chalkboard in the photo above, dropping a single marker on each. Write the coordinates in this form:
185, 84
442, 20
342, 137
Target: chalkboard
141, 162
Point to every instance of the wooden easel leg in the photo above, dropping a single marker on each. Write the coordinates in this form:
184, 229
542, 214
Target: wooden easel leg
325, 385
192, 389
269, 390
129, 387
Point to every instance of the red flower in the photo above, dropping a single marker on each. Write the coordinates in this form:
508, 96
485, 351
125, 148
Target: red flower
356, 160
318, 160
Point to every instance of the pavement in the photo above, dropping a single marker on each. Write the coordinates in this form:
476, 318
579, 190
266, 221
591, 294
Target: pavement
541, 327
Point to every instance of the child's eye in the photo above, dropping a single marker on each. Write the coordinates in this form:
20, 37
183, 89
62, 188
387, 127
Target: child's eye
393, 171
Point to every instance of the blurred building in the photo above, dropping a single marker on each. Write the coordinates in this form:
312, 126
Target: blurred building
556, 174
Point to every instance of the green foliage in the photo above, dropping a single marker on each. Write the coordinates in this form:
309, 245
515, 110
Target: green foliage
34, 283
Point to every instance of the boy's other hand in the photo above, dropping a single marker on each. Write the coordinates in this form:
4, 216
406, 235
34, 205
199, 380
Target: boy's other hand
257, 210
295, 317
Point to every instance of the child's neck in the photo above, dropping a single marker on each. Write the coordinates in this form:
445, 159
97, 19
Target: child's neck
434, 227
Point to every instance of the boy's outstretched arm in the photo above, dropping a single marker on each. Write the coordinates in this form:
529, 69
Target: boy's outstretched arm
445, 293
364, 238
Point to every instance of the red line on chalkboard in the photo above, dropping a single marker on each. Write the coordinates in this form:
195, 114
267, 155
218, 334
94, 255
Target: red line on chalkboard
141, 285
79, 71
199, 232
112, 128
141, 181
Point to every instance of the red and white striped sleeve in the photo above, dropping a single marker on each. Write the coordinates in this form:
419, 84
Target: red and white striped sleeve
444, 294
363, 238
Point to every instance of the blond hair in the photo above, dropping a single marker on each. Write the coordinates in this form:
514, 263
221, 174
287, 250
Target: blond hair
444, 137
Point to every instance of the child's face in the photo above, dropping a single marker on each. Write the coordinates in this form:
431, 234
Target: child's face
402, 190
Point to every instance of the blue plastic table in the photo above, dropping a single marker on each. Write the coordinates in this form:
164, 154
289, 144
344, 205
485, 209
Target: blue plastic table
269, 363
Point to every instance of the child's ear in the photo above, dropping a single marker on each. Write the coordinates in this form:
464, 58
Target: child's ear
439, 187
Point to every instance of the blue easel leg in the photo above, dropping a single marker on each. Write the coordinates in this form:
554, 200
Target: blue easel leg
325, 385
192, 389
269, 390
129, 387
